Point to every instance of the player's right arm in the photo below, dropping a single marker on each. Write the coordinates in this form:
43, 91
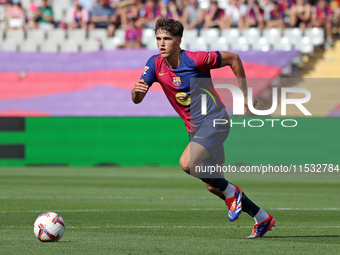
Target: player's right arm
139, 91
145, 82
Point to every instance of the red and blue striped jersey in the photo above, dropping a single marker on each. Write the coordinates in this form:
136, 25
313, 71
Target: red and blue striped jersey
185, 84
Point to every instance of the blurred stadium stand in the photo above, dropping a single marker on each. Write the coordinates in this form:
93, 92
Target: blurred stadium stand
192, 39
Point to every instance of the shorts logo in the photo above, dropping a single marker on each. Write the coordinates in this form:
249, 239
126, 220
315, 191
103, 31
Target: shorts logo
145, 69
177, 81
213, 98
183, 98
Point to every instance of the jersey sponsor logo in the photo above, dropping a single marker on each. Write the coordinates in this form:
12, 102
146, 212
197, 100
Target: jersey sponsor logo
145, 69
183, 98
177, 81
198, 136
160, 74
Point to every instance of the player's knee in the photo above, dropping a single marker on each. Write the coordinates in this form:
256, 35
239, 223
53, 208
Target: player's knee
210, 188
185, 164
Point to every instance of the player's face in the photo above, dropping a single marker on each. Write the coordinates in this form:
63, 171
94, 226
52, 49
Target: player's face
167, 44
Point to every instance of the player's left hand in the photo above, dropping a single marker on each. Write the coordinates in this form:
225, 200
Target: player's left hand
255, 102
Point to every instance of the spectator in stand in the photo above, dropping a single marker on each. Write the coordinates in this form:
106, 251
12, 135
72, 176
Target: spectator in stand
15, 15
150, 14
267, 6
276, 17
128, 9
322, 17
133, 35
45, 19
171, 11
214, 17
193, 16
181, 4
104, 16
335, 5
78, 16
285, 6
300, 14
88, 4
255, 15
235, 14
33, 16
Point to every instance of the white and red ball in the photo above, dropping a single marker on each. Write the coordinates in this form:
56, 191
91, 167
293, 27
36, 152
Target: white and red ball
49, 227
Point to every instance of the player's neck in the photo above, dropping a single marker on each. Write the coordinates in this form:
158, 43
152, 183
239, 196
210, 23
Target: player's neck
173, 60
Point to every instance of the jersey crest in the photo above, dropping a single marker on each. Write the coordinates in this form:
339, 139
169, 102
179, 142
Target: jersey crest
176, 81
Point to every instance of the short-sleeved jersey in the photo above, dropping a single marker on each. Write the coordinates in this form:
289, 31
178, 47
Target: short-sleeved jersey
185, 84
276, 15
322, 15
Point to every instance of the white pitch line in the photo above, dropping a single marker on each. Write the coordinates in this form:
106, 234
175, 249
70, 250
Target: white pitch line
89, 197
304, 209
155, 210
121, 210
177, 227
67, 197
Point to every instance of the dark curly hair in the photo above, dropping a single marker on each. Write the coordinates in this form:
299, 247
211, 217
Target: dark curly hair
174, 28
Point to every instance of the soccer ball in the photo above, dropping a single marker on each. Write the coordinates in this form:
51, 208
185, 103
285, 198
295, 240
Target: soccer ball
49, 227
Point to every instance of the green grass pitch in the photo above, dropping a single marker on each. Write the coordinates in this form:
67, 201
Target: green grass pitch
153, 210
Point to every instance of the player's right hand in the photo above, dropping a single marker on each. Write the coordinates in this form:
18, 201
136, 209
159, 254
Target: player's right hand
141, 86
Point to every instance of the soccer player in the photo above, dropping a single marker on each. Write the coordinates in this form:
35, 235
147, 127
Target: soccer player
175, 69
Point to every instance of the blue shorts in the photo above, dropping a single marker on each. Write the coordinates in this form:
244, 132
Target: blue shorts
212, 138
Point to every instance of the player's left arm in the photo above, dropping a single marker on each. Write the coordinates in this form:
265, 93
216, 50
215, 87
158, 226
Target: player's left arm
233, 60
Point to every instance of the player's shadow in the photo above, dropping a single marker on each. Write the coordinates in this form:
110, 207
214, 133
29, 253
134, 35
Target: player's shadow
307, 236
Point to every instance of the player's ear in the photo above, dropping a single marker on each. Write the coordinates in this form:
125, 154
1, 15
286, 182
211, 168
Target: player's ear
179, 40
